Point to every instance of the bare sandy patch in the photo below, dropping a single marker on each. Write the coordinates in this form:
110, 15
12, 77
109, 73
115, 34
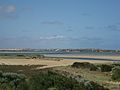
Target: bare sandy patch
48, 63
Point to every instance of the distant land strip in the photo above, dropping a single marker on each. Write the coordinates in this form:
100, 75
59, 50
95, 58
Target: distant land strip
55, 50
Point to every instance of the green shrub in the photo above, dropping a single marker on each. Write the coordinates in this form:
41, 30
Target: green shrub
81, 64
90, 85
53, 81
93, 67
116, 64
88, 65
105, 68
46, 80
21, 55
11, 80
116, 73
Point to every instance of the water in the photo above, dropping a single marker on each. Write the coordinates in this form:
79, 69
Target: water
62, 54
93, 59
67, 53
84, 53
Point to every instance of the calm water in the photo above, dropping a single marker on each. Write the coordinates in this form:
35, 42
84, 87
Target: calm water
84, 53
67, 53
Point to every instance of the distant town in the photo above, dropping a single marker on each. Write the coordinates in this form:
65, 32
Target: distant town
55, 50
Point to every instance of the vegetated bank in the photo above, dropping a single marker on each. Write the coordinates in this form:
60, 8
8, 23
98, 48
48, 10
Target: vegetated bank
107, 75
18, 77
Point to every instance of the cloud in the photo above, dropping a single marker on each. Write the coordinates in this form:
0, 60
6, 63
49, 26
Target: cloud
95, 40
114, 27
89, 27
53, 37
7, 16
52, 23
54, 41
69, 29
27, 8
91, 38
118, 23
7, 11
85, 14
88, 40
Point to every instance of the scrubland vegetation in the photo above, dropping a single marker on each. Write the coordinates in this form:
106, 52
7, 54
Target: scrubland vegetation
45, 80
27, 77
107, 75
78, 76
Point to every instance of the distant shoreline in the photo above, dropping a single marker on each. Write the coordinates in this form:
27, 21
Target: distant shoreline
54, 50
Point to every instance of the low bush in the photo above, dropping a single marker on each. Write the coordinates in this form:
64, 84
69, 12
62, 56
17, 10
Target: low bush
116, 64
105, 67
46, 80
21, 55
49, 80
54, 81
88, 65
90, 85
11, 81
116, 73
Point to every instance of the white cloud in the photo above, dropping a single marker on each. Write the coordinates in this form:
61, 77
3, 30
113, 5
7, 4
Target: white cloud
8, 9
8, 12
52, 23
53, 37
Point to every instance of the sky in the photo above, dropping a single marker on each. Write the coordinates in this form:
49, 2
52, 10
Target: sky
60, 24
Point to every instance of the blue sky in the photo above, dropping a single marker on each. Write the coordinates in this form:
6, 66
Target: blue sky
60, 24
